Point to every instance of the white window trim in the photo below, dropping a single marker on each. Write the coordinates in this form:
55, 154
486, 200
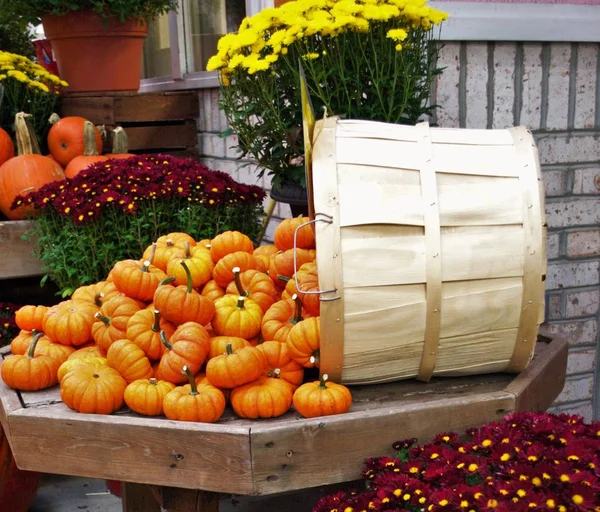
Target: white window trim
479, 21
179, 80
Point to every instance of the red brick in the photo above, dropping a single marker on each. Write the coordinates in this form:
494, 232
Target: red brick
583, 303
572, 212
555, 183
576, 332
583, 244
586, 181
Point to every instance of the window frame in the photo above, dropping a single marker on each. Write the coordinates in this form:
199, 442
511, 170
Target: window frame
180, 79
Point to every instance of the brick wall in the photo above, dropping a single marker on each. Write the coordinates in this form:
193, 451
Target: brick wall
554, 90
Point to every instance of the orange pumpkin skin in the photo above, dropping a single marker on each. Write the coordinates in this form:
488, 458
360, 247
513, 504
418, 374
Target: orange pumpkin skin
20, 343
97, 293
7, 148
111, 321
81, 163
183, 304
255, 285
168, 246
199, 264
88, 352
223, 272
65, 139
146, 396
55, 350
144, 328
204, 404
282, 264
218, 345
280, 318
70, 322
236, 316
137, 280
280, 364
284, 234
29, 372
212, 291
308, 280
189, 346
93, 389
228, 242
322, 398
129, 360
177, 238
64, 368
234, 369
304, 341
29, 318
264, 398
265, 250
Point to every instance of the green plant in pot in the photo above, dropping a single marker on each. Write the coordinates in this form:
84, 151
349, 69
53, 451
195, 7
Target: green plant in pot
363, 59
97, 43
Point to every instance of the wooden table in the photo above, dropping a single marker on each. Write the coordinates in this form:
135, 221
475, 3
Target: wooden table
185, 465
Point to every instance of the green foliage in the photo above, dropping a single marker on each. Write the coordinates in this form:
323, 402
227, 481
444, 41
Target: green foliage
15, 36
33, 10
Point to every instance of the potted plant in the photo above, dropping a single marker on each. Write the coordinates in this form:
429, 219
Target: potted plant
363, 59
97, 43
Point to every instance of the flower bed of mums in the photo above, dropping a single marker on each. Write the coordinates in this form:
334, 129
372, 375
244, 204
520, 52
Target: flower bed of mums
529, 461
114, 209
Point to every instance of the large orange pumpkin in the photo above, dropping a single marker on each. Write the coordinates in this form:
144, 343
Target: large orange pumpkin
7, 149
26, 172
65, 138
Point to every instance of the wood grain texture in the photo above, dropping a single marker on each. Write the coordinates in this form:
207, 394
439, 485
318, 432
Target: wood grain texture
97, 109
15, 253
154, 137
138, 498
157, 107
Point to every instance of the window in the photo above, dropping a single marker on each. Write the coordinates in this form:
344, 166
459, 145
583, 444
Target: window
180, 43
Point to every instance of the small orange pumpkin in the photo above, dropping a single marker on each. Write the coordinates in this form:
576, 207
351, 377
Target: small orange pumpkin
111, 320
88, 352
146, 396
322, 398
264, 398
237, 316
64, 368
138, 281
129, 360
198, 262
70, 322
97, 293
308, 280
7, 149
304, 341
280, 364
233, 369
284, 234
255, 285
204, 404
20, 343
29, 318
280, 318
282, 264
218, 345
212, 291
223, 271
168, 246
144, 329
229, 241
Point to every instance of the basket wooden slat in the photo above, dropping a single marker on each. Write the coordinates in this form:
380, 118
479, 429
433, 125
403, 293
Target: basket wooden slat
434, 241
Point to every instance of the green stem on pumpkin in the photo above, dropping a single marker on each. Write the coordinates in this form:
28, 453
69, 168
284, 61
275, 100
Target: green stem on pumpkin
31, 351
120, 145
229, 349
323, 380
166, 280
285, 279
163, 339
90, 148
298, 311
152, 381
26, 142
156, 325
103, 318
238, 282
189, 288
240, 303
194, 388
275, 373
98, 299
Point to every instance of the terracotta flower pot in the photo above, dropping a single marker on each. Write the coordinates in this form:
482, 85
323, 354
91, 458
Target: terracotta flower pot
95, 54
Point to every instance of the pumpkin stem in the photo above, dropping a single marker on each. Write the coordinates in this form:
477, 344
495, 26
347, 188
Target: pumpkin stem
315, 358
169, 243
54, 118
188, 253
98, 299
90, 148
148, 262
27, 143
166, 280
298, 311
240, 303
152, 381
238, 282
194, 388
189, 288
31, 351
274, 373
156, 326
323, 381
103, 318
120, 144
229, 349
163, 338
285, 279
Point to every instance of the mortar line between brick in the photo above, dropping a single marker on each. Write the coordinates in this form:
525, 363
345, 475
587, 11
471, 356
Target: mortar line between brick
490, 84
545, 80
518, 84
462, 85
572, 86
597, 116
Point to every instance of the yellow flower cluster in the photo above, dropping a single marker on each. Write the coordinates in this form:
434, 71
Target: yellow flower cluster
265, 36
27, 72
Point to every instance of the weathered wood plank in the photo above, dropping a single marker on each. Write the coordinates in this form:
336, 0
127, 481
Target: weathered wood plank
138, 498
156, 107
169, 136
127, 448
311, 452
97, 109
16, 254
188, 500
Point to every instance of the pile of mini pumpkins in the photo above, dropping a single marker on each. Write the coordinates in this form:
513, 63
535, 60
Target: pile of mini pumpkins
185, 329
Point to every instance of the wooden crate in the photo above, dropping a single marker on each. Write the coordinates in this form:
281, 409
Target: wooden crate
16, 254
267, 456
163, 122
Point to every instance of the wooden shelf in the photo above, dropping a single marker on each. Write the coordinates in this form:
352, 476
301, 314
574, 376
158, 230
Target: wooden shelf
16, 254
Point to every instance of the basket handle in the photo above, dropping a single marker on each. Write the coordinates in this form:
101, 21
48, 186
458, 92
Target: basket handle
328, 220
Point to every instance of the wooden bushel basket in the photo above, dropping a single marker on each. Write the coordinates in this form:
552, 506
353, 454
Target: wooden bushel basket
430, 249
